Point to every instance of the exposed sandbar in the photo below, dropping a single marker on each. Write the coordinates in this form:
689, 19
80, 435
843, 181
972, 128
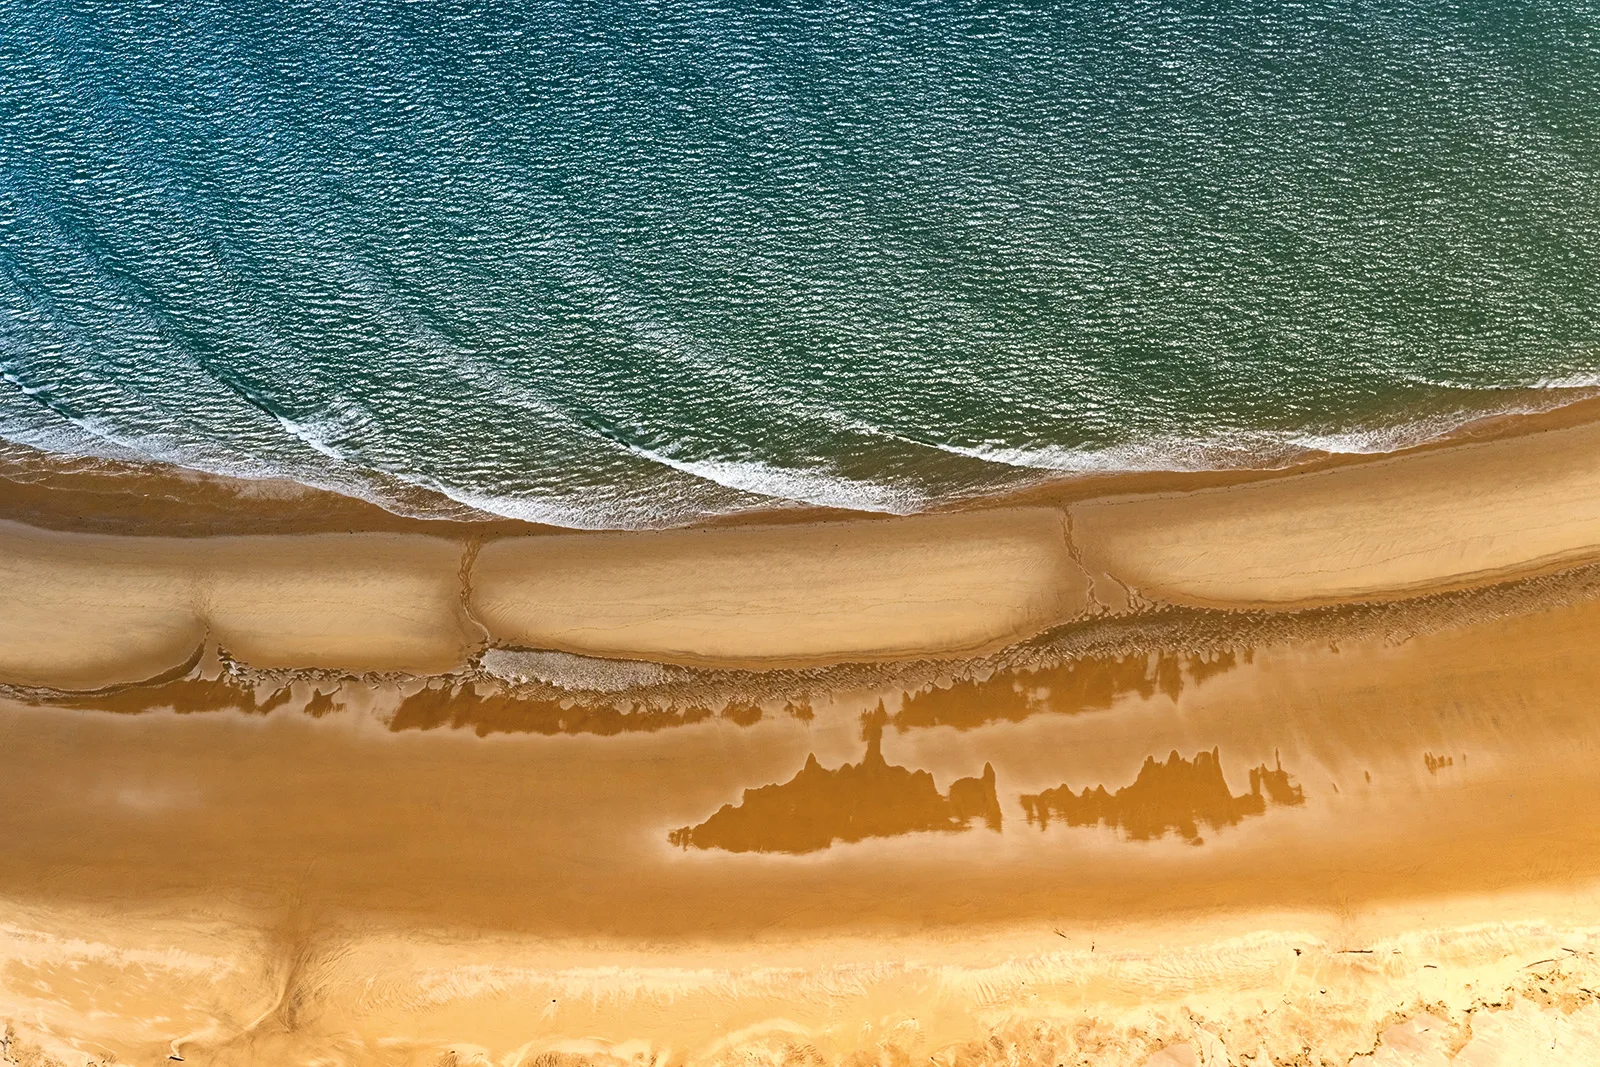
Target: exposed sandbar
786, 595
87, 610
91, 610
1411, 523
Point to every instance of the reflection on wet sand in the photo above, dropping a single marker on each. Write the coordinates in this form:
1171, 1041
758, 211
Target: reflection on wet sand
454, 705
817, 807
185, 696
463, 707
1085, 684
1176, 795
213, 683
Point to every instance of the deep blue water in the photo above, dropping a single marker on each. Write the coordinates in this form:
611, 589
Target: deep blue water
618, 264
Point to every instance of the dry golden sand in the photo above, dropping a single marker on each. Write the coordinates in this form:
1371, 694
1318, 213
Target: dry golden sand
1392, 857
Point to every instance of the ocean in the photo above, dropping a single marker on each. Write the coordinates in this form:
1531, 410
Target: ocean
626, 265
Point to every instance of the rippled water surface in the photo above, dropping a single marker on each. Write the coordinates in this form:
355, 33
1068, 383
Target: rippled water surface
632, 264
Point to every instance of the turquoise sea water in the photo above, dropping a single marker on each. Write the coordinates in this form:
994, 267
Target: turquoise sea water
630, 264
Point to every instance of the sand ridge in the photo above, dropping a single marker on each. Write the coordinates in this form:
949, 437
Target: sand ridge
949, 584
84, 611
1476, 511
90, 610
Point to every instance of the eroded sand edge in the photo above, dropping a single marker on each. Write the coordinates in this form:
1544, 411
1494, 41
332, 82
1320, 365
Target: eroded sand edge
91, 610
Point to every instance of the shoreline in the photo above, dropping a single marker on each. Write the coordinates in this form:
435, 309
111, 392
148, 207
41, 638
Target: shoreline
1512, 498
70, 493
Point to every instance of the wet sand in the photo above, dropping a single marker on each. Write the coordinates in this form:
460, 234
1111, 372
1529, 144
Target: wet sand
278, 887
1252, 797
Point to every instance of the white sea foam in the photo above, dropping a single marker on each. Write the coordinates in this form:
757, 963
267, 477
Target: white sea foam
1381, 440
1229, 450
320, 435
312, 436
1581, 380
587, 511
780, 484
98, 439
566, 671
1221, 451
1573, 380
94, 438
70, 439
816, 487
339, 469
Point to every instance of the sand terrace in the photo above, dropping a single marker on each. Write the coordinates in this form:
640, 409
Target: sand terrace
88, 610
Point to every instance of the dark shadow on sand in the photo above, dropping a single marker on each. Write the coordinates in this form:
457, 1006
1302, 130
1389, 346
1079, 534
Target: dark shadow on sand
1179, 796
818, 806
1072, 687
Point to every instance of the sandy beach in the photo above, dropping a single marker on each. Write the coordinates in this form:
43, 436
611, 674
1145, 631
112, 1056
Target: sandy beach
1298, 769
229, 886
799, 535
